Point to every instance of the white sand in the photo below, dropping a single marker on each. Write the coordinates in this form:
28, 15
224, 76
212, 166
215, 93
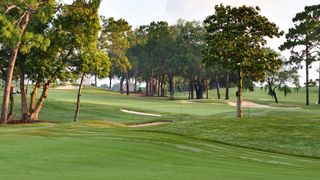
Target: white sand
67, 87
252, 105
140, 113
148, 124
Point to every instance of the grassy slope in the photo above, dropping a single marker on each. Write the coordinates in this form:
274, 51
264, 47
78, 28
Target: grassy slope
92, 150
284, 130
79, 151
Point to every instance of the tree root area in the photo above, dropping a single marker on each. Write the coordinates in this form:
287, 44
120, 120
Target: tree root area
24, 122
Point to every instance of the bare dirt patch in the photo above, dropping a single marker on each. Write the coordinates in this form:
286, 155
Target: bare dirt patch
140, 113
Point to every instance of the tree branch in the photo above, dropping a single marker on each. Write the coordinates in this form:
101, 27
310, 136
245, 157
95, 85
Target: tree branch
10, 7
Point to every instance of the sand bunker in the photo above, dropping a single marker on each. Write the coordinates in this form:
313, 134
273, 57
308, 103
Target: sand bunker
148, 124
67, 87
248, 104
187, 102
140, 113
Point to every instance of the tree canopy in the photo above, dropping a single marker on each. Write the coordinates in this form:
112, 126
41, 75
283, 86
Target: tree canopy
303, 40
236, 38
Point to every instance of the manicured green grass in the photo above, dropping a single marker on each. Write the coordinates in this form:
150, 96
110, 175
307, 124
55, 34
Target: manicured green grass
79, 151
204, 140
262, 96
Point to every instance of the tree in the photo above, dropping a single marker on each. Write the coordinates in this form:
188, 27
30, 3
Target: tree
81, 24
84, 27
4, 56
158, 58
115, 39
281, 81
137, 40
190, 42
303, 40
44, 66
14, 18
248, 84
236, 38
58, 61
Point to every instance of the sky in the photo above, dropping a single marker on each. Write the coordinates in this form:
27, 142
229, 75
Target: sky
142, 12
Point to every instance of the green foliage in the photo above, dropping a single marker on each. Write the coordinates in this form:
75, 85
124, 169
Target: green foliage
83, 25
281, 80
248, 84
190, 42
114, 38
37, 41
136, 52
236, 38
12, 14
303, 39
34, 40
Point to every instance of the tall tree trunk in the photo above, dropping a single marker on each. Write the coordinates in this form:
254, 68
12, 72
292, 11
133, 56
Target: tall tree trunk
121, 85
307, 83
158, 86
10, 114
274, 94
319, 93
110, 82
227, 87
191, 86
34, 115
33, 97
135, 85
24, 106
96, 80
27, 87
239, 94
152, 89
319, 86
199, 88
128, 85
307, 75
270, 92
203, 84
171, 87
12, 62
155, 87
218, 87
76, 115
207, 89
147, 88
162, 86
